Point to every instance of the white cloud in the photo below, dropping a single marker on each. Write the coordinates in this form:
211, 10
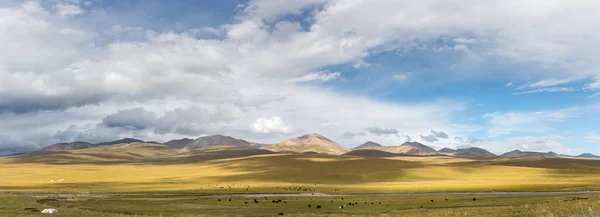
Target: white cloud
592, 137
361, 64
539, 144
273, 124
322, 76
548, 90
67, 10
400, 76
550, 82
506, 123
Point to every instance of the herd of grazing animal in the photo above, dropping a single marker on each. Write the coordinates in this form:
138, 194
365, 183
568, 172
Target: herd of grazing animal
303, 189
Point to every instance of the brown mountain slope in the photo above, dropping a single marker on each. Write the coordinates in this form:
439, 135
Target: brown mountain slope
65, 146
308, 143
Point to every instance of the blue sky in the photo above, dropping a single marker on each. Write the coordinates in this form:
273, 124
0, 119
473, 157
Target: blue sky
497, 75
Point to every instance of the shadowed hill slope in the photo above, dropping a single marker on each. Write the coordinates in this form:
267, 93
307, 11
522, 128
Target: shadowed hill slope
369, 153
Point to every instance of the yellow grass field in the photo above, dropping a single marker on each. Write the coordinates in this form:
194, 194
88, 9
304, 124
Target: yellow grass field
153, 168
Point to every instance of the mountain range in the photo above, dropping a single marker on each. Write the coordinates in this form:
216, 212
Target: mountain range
315, 144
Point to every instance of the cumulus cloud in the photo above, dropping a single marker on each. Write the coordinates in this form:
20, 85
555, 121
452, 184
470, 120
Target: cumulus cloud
272, 124
196, 120
216, 84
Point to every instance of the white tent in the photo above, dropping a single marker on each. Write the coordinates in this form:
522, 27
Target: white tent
49, 211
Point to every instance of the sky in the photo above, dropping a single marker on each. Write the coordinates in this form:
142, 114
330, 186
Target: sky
495, 74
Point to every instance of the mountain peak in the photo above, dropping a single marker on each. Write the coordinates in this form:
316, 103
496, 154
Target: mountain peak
211, 140
368, 144
308, 143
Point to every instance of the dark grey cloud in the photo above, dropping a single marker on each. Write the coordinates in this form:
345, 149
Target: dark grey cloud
196, 120
350, 135
19, 104
429, 138
381, 132
474, 140
435, 136
372, 130
468, 140
440, 134
137, 118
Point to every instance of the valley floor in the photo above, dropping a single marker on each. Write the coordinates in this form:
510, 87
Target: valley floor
574, 205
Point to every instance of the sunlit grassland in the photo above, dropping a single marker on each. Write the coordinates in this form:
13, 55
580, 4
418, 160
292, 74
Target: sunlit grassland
153, 171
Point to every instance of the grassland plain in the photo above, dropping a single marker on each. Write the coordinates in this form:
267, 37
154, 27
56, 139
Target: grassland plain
272, 172
167, 182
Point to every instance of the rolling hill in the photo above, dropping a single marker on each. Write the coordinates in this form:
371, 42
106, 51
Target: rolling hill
308, 143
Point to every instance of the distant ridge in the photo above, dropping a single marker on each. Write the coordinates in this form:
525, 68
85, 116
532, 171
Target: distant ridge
588, 155
407, 148
523, 154
121, 141
66, 146
308, 143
